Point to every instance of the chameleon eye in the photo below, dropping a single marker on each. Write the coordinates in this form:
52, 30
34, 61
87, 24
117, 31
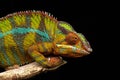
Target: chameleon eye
72, 39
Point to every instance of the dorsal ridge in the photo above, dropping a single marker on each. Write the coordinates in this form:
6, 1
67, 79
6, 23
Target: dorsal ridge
28, 12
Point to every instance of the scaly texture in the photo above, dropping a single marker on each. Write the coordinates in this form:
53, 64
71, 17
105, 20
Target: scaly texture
20, 30
28, 36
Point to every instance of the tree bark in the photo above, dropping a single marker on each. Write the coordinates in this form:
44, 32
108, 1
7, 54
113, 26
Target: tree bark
25, 72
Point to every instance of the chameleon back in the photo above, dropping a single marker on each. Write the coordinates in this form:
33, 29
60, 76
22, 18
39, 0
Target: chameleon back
20, 30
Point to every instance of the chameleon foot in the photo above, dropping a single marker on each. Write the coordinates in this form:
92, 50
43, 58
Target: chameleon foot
55, 62
16, 66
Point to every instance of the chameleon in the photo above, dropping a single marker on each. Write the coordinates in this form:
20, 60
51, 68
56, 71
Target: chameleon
28, 36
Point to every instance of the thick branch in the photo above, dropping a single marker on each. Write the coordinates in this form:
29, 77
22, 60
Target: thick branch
24, 72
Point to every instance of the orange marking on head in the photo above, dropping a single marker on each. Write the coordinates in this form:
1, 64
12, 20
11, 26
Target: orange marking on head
72, 38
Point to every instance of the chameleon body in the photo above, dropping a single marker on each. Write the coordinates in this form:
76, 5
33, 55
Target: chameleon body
28, 36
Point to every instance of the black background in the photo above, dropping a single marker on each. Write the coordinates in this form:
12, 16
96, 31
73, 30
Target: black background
82, 16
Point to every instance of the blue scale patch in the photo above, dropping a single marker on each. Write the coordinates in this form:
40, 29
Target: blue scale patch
43, 34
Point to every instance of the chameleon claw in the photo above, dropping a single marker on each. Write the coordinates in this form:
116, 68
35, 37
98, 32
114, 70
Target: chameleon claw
56, 67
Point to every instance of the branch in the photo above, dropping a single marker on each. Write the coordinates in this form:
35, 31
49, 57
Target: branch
25, 72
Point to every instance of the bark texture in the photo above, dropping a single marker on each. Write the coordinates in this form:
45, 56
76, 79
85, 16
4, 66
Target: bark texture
25, 72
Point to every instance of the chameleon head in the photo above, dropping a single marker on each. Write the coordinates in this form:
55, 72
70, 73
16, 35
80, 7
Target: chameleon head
74, 45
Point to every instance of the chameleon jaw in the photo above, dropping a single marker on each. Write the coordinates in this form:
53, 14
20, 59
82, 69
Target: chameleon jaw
70, 51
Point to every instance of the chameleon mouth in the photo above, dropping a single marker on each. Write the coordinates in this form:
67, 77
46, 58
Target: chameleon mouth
87, 47
83, 51
74, 51
78, 53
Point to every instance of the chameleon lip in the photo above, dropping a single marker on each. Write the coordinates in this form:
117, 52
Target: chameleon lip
84, 52
89, 49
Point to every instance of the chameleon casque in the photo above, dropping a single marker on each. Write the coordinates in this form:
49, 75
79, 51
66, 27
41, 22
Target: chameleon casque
29, 36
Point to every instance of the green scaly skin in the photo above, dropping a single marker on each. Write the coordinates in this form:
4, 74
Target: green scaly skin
28, 36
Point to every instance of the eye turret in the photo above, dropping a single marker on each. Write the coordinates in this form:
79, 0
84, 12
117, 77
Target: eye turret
72, 38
